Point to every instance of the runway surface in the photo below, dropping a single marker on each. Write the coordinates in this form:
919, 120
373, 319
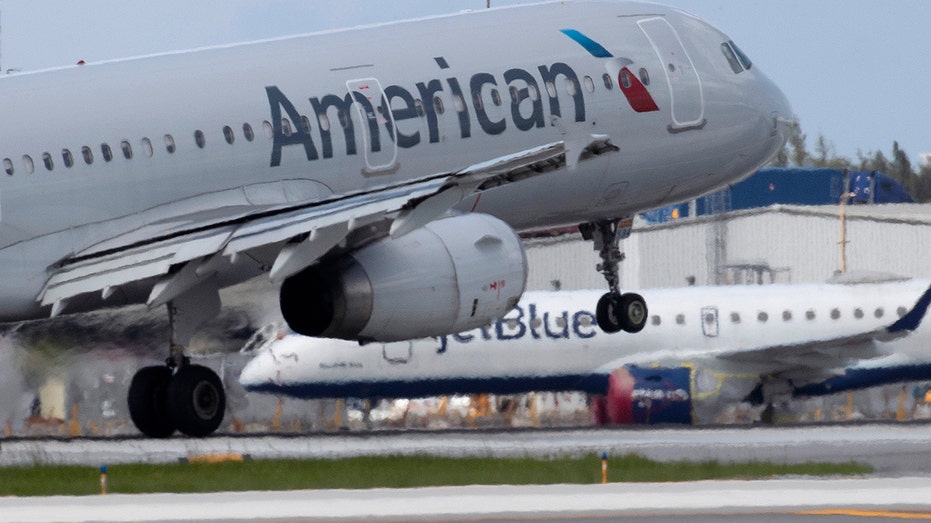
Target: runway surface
900, 488
892, 449
776, 500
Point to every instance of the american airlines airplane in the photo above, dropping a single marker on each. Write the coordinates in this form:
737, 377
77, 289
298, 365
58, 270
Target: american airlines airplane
705, 347
377, 174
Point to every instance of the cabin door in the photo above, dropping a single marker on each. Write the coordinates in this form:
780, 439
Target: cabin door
685, 92
372, 116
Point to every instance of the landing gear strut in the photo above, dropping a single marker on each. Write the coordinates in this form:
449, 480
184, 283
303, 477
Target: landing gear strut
179, 395
615, 311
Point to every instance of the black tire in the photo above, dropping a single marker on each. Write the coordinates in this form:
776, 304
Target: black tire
148, 402
196, 401
607, 313
633, 312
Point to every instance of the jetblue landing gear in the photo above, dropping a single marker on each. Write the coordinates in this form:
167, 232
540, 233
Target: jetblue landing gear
179, 395
615, 311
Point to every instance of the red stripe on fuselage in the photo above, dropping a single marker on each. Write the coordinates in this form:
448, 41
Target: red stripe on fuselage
637, 95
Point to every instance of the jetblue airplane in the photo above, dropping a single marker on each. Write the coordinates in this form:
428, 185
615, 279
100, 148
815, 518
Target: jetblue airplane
380, 183
705, 348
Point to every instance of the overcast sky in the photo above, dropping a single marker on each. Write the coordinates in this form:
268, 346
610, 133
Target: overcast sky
857, 71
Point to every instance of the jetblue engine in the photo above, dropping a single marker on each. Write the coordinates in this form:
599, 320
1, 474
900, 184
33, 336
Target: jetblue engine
645, 396
452, 275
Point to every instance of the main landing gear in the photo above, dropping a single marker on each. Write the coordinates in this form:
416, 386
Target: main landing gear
615, 311
179, 395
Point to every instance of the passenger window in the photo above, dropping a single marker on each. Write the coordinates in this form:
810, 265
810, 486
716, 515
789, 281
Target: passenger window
477, 100
199, 139
67, 158
305, 126
127, 149
250, 134
533, 92
835, 314
147, 147
324, 121
571, 87
858, 313
457, 103
644, 76
762, 317
345, 121
901, 311
88, 155
657, 320
625, 80
810, 315
28, 163
269, 130
228, 134
438, 105
879, 313
609, 84
496, 97
286, 127
786, 315
551, 89
589, 84
8, 166
735, 317
47, 160
106, 152
170, 144
680, 319
515, 95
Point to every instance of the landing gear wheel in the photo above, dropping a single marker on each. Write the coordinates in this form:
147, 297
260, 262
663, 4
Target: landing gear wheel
607, 313
633, 311
148, 402
196, 401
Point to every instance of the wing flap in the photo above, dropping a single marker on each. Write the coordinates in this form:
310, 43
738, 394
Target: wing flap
304, 231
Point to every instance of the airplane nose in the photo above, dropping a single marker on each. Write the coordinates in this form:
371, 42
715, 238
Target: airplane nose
784, 120
256, 372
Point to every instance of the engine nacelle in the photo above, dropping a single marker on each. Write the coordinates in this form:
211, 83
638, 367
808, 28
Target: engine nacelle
452, 275
645, 396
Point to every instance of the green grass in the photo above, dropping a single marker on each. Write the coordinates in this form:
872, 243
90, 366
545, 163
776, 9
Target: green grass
394, 472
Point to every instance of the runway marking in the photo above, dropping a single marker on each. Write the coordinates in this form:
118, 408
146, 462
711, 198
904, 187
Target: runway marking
867, 513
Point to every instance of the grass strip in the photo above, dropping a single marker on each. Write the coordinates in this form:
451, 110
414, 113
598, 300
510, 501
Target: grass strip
391, 472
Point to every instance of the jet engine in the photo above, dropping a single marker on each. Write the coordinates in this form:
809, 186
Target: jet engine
452, 275
645, 396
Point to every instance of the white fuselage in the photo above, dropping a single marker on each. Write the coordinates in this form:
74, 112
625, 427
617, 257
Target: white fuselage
94, 152
550, 342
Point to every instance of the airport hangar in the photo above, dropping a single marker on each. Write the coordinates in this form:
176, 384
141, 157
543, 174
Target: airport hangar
774, 244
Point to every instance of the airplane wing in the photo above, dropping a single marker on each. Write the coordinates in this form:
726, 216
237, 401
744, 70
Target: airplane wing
185, 252
816, 359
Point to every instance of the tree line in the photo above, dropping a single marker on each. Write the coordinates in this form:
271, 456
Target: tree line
915, 179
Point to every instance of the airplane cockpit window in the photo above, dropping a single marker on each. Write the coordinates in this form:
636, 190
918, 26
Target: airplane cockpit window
744, 59
67, 157
47, 160
88, 155
8, 166
106, 152
731, 58
28, 163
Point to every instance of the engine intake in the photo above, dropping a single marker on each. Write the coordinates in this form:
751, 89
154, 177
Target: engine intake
452, 275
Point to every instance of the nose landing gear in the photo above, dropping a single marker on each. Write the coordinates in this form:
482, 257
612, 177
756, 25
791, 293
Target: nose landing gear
615, 311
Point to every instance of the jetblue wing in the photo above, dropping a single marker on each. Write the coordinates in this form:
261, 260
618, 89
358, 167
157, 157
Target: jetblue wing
185, 252
818, 358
